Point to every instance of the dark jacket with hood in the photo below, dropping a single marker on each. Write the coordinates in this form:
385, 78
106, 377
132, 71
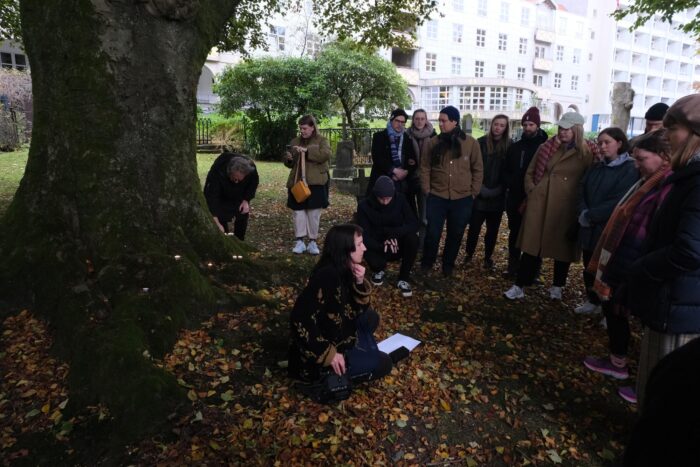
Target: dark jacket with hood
664, 284
380, 222
223, 196
492, 196
518, 159
382, 163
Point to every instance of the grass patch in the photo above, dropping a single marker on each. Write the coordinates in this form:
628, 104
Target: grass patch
12, 166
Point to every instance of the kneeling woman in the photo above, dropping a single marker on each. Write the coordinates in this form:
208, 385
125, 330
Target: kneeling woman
331, 323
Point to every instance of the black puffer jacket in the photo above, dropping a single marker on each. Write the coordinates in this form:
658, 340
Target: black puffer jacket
517, 161
664, 285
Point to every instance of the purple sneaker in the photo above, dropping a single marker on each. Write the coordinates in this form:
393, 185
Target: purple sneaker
628, 393
605, 366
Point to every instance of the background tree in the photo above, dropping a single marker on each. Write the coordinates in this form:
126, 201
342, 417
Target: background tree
273, 93
110, 193
644, 10
362, 83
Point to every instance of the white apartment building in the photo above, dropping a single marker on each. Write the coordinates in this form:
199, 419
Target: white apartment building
488, 57
12, 56
659, 60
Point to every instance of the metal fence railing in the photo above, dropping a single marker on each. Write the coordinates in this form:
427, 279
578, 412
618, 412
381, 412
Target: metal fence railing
361, 138
203, 131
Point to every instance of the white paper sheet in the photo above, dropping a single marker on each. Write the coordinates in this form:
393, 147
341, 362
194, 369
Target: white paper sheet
392, 343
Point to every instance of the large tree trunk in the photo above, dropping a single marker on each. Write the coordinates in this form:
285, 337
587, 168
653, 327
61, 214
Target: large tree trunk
110, 193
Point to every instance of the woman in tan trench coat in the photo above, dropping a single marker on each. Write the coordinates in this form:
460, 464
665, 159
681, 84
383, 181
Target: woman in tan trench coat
549, 220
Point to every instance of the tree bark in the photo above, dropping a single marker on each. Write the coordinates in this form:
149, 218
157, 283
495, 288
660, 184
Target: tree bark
111, 194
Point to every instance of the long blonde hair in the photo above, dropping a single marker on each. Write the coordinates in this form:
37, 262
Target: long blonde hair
499, 147
579, 141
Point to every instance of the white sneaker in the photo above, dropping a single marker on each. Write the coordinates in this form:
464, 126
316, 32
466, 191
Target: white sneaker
312, 248
604, 323
587, 308
299, 248
405, 289
514, 293
555, 293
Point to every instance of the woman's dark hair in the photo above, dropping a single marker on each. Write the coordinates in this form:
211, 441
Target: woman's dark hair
618, 135
655, 141
339, 243
501, 146
308, 120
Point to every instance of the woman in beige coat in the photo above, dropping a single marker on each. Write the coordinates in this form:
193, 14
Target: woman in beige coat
316, 152
550, 220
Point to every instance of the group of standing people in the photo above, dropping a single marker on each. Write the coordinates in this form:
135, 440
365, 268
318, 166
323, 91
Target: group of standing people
631, 208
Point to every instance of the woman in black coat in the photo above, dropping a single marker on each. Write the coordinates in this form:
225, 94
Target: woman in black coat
664, 284
331, 324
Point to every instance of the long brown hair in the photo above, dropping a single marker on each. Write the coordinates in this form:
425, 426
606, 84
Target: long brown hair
501, 146
682, 155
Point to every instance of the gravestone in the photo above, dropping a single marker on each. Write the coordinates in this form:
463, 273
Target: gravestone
467, 123
343, 155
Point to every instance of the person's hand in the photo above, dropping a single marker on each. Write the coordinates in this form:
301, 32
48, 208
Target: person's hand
288, 156
338, 364
218, 224
299, 149
399, 174
244, 208
392, 245
358, 272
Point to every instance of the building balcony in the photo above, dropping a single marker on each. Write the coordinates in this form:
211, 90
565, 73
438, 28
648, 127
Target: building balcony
411, 75
544, 35
542, 64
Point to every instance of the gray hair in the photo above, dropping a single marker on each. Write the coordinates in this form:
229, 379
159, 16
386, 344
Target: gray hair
240, 164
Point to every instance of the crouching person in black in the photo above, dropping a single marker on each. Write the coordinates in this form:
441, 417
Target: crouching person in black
331, 323
231, 184
390, 232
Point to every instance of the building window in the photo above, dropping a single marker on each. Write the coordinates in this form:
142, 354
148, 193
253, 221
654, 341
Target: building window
590, 57
562, 25
521, 72
579, 29
588, 77
432, 29
522, 49
436, 97
502, 41
277, 34
480, 37
539, 51
519, 97
498, 99
574, 83
557, 80
525, 17
313, 45
458, 5
560, 53
6, 60
472, 97
457, 30
592, 34
504, 12
482, 8
479, 69
430, 62
501, 70
20, 62
577, 55
456, 66
537, 80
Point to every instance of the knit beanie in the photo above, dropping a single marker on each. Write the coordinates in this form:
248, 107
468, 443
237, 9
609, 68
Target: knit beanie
685, 111
532, 115
383, 187
656, 112
451, 112
398, 112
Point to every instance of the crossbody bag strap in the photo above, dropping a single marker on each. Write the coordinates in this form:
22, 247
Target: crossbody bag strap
303, 166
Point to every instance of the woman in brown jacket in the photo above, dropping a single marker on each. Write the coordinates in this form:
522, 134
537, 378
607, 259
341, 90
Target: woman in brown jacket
316, 152
550, 216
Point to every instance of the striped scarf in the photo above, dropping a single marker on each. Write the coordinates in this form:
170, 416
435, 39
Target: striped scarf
396, 140
617, 226
547, 150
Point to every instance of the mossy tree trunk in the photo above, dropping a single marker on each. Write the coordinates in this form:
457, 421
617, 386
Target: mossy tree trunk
111, 194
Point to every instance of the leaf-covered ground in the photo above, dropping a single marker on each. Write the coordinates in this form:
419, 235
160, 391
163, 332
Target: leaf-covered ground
493, 383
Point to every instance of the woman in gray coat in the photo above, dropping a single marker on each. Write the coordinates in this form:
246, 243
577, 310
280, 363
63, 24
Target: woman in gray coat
602, 187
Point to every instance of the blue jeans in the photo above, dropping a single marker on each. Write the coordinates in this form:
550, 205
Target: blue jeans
365, 361
457, 213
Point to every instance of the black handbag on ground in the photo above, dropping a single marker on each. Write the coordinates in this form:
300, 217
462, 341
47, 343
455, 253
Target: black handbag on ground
329, 388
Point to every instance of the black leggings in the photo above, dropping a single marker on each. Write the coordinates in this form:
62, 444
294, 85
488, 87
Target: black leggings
493, 222
408, 249
589, 279
618, 329
528, 271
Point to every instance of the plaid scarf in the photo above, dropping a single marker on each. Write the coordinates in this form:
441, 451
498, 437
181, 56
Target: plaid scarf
618, 224
547, 150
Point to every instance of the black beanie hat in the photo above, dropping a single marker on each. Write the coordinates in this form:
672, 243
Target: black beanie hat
398, 112
656, 112
383, 187
451, 112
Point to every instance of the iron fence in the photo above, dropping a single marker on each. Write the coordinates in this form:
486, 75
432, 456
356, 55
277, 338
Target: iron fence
361, 138
203, 131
